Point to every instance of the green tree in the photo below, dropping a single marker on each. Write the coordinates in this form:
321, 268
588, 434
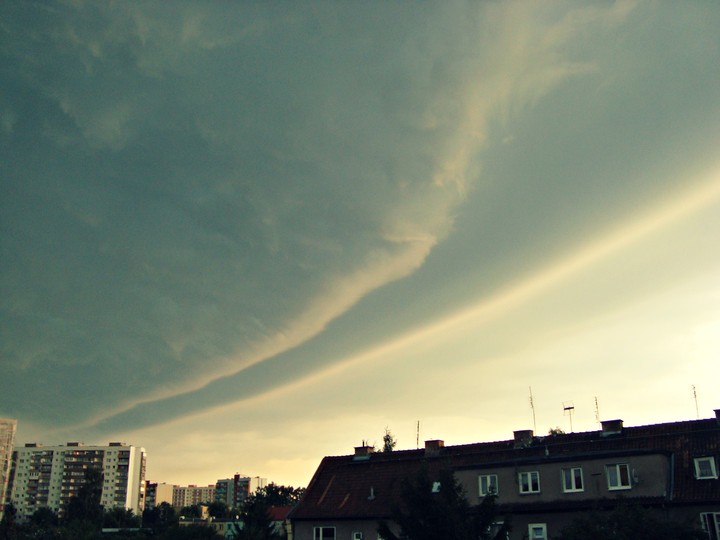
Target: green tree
44, 517
255, 521
389, 441
192, 511
278, 495
159, 518
8, 525
188, 532
628, 522
432, 508
120, 518
218, 509
43, 525
85, 506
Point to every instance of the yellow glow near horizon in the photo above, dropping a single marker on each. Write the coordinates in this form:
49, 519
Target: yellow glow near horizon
672, 210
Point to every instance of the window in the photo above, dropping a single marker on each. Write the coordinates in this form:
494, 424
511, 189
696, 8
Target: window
494, 529
488, 484
705, 468
537, 531
572, 479
357, 535
618, 476
323, 533
529, 482
711, 524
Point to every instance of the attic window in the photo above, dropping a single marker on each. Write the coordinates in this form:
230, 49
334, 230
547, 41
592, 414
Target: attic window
705, 468
436, 487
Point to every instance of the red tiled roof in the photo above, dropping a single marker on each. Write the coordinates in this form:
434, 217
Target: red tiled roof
279, 513
345, 488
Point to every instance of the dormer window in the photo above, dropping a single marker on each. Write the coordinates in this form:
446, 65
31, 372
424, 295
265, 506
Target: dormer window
705, 468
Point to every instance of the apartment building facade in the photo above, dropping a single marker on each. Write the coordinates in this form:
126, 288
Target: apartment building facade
233, 491
49, 476
542, 482
158, 493
8, 427
191, 495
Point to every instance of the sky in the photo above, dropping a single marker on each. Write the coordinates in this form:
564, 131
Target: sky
246, 235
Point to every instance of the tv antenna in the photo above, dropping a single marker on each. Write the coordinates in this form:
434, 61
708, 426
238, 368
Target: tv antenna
532, 406
597, 411
697, 411
417, 436
568, 409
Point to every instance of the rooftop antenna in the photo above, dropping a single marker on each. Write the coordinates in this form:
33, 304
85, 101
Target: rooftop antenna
697, 411
532, 406
597, 412
568, 409
417, 436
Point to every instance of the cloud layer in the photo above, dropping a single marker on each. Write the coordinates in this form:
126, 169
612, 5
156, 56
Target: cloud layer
214, 203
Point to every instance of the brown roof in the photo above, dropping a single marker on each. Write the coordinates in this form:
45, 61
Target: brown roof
279, 513
348, 488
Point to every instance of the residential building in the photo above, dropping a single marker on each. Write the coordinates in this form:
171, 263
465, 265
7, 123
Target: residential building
8, 427
49, 476
542, 482
228, 527
233, 491
158, 493
191, 495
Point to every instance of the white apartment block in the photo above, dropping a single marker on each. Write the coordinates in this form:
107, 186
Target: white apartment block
190, 495
7, 440
49, 476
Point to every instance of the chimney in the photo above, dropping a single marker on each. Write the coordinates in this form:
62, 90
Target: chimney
523, 438
717, 415
432, 448
363, 452
611, 427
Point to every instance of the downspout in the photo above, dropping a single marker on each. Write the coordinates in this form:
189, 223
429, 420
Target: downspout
671, 476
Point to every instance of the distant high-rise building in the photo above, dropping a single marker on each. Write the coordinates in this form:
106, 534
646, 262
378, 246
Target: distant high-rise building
191, 495
49, 476
7, 441
156, 494
233, 491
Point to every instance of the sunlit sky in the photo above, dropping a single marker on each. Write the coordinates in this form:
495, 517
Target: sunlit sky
248, 235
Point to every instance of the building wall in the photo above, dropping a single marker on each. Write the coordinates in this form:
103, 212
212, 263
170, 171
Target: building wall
191, 495
7, 441
233, 491
49, 476
344, 530
649, 477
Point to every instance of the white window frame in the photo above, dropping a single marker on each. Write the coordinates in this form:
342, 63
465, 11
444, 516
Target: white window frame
713, 468
617, 467
534, 528
528, 475
569, 474
319, 530
494, 529
710, 522
488, 485
357, 535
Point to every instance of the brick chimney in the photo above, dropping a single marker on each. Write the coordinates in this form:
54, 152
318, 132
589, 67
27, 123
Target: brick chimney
522, 438
432, 448
717, 415
611, 427
363, 452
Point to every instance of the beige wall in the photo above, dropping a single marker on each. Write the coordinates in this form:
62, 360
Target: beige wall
650, 471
